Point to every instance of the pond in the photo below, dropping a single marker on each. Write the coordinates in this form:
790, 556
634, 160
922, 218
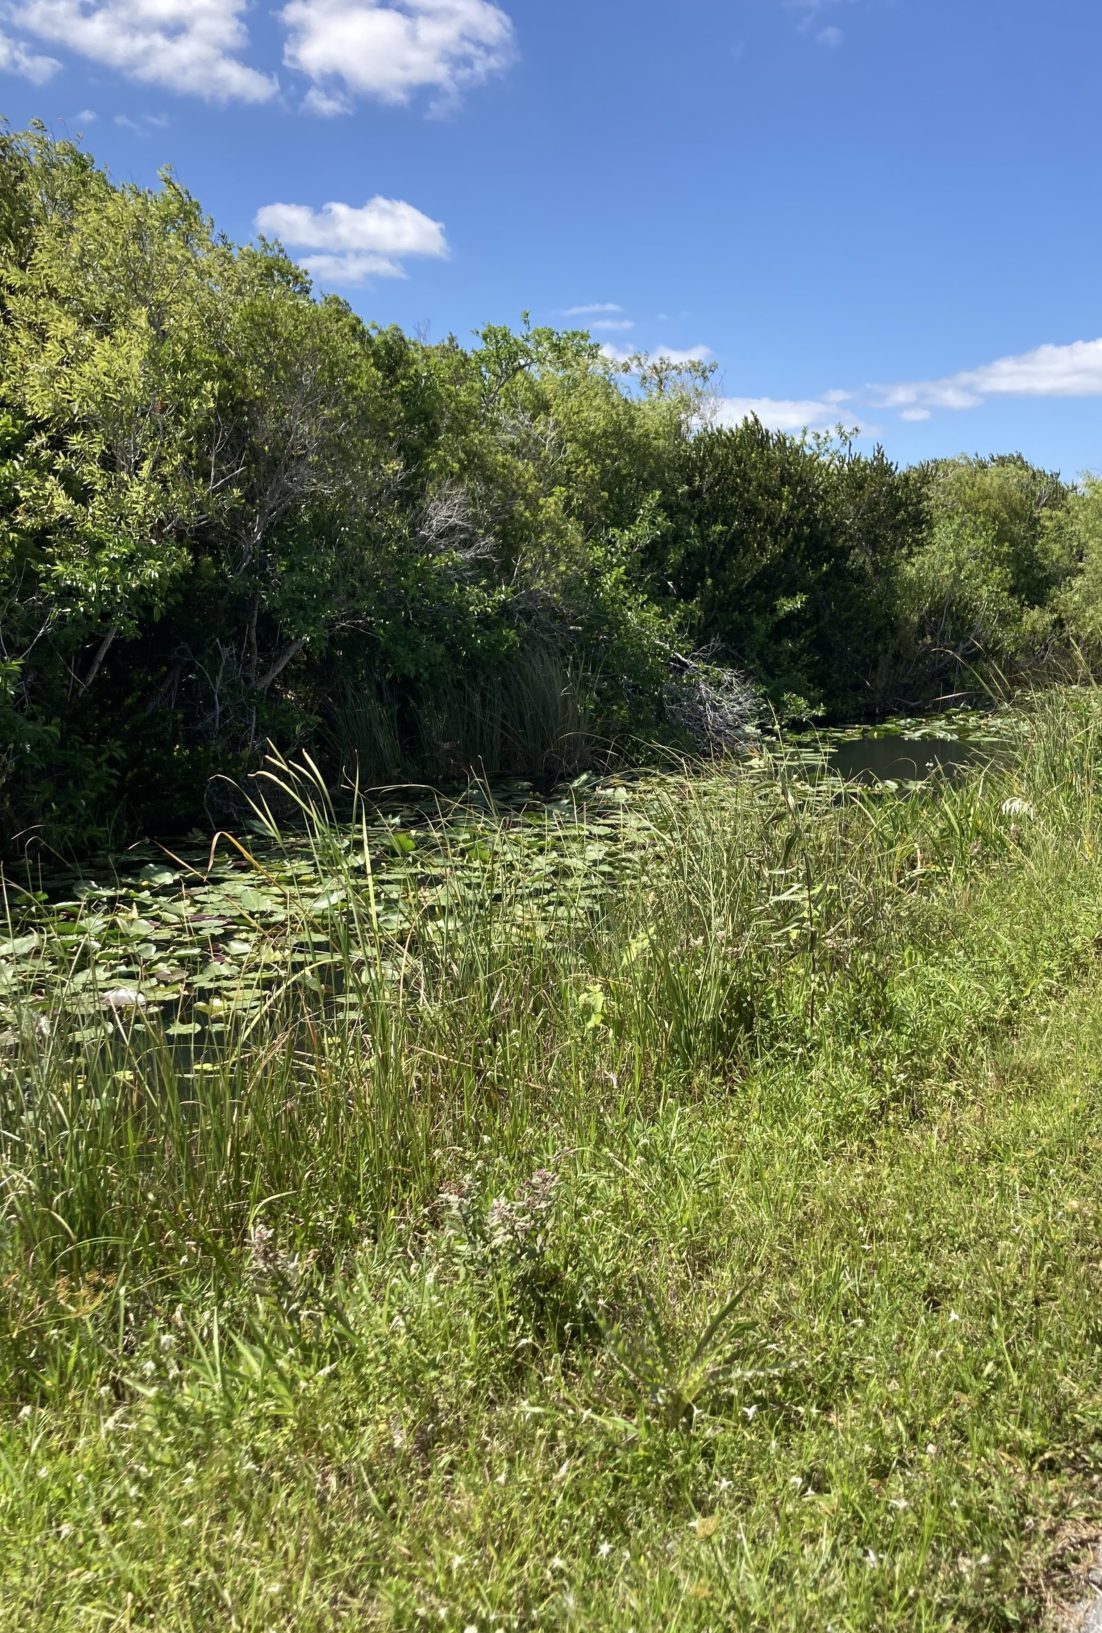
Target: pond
187, 933
892, 757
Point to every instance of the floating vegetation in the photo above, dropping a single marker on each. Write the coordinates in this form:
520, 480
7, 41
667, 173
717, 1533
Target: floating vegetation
174, 939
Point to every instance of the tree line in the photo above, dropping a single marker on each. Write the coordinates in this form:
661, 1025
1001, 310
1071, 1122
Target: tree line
231, 511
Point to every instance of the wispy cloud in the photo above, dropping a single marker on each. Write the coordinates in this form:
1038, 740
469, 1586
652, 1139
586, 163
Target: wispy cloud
811, 18
609, 325
1073, 370
17, 58
143, 124
591, 309
390, 51
351, 243
676, 357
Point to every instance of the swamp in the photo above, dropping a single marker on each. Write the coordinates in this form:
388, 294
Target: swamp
670, 1202
550, 965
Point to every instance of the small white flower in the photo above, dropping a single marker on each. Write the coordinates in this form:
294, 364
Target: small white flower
604, 1550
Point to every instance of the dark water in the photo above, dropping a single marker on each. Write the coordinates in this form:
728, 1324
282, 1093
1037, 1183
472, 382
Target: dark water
893, 757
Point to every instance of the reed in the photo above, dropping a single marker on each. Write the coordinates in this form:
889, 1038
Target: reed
701, 1237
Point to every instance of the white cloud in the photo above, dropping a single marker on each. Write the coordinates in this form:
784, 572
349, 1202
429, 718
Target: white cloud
352, 268
812, 20
389, 49
387, 226
662, 354
608, 325
690, 354
354, 242
1074, 370
593, 307
185, 45
778, 413
15, 58
326, 104
142, 125
86, 116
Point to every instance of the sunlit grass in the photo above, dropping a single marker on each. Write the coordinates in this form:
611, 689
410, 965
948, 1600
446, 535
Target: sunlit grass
715, 1247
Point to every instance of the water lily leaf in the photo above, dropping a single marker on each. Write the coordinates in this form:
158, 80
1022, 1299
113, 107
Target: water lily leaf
329, 898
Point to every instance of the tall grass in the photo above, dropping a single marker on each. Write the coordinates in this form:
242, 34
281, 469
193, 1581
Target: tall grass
491, 1165
746, 919
536, 715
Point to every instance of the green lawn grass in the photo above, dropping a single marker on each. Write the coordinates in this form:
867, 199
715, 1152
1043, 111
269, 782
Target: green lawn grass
723, 1254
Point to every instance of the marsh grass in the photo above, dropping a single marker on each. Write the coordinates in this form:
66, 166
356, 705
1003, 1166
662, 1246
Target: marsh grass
539, 709
711, 1245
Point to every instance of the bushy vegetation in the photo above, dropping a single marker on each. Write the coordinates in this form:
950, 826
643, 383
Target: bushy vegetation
232, 512
709, 1242
669, 1202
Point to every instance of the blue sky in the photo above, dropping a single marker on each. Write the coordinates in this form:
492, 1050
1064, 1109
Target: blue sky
882, 212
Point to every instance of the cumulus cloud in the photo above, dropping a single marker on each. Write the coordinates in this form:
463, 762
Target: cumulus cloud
185, 45
386, 49
16, 58
391, 49
1074, 370
354, 242
781, 413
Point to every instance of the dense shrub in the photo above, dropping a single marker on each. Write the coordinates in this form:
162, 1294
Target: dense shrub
233, 512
